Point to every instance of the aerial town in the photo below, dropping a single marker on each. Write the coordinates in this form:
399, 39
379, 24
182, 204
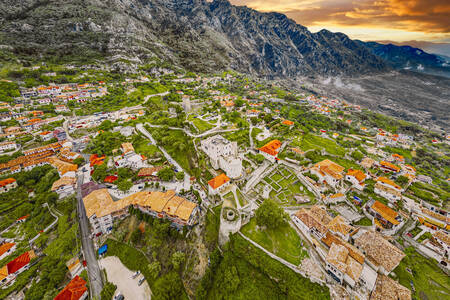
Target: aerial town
173, 185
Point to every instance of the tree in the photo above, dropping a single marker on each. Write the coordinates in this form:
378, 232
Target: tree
154, 268
106, 125
269, 214
178, 259
108, 291
99, 173
402, 180
231, 280
356, 155
259, 158
161, 290
124, 185
290, 97
166, 174
79, 161
180, 175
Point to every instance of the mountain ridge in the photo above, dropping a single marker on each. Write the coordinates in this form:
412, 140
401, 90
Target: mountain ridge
213, 35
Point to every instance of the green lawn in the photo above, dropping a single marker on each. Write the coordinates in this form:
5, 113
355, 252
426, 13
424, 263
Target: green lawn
276, 177
283, 242
429, 281
364, 222
241, 198
311, 141
202, 125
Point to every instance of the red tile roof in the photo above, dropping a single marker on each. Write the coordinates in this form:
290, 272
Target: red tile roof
271, 147
6, 181
218, 181
111, 179
18, 263
74, 290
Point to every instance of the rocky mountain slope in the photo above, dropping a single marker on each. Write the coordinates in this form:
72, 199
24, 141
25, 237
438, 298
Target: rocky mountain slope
197, 34
409, 58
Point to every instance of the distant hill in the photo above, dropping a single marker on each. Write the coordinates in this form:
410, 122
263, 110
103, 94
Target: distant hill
410, 58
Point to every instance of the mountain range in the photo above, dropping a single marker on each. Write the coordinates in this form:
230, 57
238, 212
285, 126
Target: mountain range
200, 36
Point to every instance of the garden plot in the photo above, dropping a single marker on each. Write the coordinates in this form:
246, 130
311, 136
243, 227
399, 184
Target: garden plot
283, 186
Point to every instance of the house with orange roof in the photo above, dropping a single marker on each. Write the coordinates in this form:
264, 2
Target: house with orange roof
270, 150
328, 172
288, 123
388, 167
7, 184
397, 157
218, 184
356, 177
335, 198
388, 189
6, 249
385, 217
75, 290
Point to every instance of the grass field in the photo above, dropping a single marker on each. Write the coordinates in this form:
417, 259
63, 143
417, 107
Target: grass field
241, 198
429, 281
283, 242
310, 141
202, 125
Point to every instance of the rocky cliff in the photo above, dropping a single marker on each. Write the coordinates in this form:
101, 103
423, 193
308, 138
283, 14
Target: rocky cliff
195, 34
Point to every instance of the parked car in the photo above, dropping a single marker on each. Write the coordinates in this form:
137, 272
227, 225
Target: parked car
136, 274
141, 281
119, 296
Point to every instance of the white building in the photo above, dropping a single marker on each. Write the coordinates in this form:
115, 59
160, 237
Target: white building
328, 172
129, 159
8, 146
64, 186
223, 155
388, 189
356, 178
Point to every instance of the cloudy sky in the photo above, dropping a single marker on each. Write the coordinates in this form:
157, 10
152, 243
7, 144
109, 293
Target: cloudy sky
395, 20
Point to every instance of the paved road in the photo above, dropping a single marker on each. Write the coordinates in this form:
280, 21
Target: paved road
95, 279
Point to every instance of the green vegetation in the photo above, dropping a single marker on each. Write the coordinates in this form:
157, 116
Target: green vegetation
428, 279
426, 236
239, 136
212, 225
201, 125
179, 146
310, 141
282, 241
365, 221
246, 272
108, 291
270, 215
